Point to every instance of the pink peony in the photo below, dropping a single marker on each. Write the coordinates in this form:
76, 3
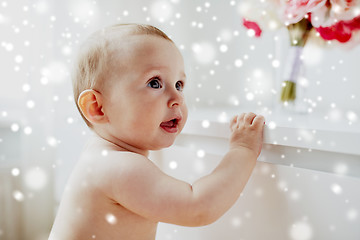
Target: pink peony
334, 11
324, 12
260, 15
295, 10
333, 19
341, 31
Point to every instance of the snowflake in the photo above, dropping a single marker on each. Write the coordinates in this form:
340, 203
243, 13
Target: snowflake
336, 188
173, 165
204, 52
205, 123
36, 178
19, 196
161, 10
200, 153
15, 172
301, 231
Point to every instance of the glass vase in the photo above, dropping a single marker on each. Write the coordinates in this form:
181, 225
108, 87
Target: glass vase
293, 86
294, 82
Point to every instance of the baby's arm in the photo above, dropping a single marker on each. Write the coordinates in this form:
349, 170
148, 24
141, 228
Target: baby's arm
142, 188
222, 187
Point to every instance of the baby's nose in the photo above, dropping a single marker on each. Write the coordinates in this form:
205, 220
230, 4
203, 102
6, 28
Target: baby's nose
177, 99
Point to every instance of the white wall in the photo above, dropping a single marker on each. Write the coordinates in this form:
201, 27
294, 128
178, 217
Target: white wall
38, 42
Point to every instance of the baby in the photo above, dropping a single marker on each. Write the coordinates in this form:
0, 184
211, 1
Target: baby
128, 86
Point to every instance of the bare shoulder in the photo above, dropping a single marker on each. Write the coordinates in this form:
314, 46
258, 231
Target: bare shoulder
100, 174
111, 168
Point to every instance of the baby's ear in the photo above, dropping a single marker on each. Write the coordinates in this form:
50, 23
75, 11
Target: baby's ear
91, 105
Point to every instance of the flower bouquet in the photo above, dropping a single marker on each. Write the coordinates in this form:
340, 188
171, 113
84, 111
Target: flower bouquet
335, 21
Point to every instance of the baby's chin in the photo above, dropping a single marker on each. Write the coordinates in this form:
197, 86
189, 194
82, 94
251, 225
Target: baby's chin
163, 145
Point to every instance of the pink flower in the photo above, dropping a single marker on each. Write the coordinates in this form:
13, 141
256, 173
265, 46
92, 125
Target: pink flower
260, 15
341, 31
334, 11
324, 12
295, 10
253, 26
332, 19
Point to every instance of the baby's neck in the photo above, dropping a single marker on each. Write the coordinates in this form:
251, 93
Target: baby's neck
118, 145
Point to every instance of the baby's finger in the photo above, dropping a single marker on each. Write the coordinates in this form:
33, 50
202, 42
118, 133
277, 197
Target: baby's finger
233, 122
249, 117
240, 118
233, 119
258, 121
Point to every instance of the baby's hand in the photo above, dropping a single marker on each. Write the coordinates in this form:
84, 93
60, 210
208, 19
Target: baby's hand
247, 131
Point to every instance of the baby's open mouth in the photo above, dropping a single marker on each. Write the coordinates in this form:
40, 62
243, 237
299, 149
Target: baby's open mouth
170, 126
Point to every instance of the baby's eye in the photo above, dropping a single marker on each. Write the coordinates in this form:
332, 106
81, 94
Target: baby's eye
155, 83
179, 85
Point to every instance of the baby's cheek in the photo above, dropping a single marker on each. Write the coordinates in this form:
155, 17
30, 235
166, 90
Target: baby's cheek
184, 111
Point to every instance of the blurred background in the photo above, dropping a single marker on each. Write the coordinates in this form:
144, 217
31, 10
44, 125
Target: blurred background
41, 132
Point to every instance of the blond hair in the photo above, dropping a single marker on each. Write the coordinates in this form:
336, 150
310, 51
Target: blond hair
95, 55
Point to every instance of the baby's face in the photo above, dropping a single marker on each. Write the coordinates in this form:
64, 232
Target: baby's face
144, 101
